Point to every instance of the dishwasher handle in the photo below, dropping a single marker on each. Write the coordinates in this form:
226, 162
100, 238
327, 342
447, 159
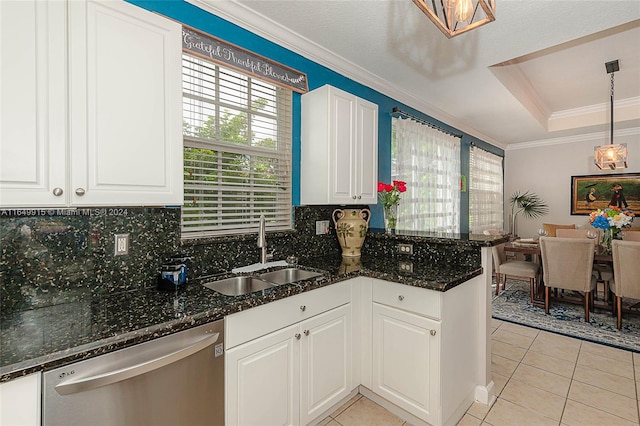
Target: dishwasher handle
121, 374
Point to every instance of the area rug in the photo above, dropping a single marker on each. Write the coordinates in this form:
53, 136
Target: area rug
514, 305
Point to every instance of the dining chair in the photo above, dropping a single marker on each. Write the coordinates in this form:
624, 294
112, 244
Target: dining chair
567, 264
626, 273
631, 236
602, 271
515, 268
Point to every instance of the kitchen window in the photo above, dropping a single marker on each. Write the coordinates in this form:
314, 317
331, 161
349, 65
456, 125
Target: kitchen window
428, 160
237, 151
485, 191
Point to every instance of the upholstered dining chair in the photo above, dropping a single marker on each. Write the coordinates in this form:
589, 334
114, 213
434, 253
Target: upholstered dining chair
516, 268
626, 273
603, 271
567, 264
631, 236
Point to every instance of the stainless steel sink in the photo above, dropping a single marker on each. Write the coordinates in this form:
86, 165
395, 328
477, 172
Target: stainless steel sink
288, 275
238, 286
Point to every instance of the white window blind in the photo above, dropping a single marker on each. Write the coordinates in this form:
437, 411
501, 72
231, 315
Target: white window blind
428, 160
485, 191
237, 151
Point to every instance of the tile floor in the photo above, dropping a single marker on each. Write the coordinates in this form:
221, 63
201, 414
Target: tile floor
540, 378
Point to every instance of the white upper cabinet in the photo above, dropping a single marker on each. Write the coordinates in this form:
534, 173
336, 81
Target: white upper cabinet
339, 148
99, 106
32, 106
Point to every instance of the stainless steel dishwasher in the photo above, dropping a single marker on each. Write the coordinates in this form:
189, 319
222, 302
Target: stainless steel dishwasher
174, 380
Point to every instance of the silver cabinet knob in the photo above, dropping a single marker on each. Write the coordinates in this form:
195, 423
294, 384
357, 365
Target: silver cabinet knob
303, 308
401, 298
359, 197
354, 197
79, 192
57, 192
298, 336
306, 332
432, 332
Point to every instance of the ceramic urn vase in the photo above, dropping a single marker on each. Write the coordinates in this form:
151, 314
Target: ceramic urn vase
351, 228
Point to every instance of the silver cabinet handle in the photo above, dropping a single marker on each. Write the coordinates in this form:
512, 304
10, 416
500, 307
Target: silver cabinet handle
79, 192
306, 332
359, 197
354, 197
57, 192
298, 336
121, 374
401, 298
303, 308
432, 332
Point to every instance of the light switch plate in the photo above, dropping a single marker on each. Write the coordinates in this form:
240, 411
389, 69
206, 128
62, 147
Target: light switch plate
322, 227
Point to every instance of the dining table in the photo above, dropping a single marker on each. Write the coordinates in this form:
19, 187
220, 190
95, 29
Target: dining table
532, 248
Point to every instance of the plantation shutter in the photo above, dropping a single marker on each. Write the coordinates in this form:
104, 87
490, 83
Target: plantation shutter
237, 151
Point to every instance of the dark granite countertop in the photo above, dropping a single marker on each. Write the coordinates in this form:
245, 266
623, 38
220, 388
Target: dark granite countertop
90, 326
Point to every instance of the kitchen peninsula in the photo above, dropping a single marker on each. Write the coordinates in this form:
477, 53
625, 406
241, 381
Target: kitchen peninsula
455, 272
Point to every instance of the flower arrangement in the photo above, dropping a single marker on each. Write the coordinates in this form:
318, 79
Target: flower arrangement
389, 196
611, 217
611, 220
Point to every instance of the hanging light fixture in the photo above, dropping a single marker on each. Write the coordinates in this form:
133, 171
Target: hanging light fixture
612, 156
454, 17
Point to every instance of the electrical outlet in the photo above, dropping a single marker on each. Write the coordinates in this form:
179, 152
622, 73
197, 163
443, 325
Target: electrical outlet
405, 248
322, 227
121, 245
404, 266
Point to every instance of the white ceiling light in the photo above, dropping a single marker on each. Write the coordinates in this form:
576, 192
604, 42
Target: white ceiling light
455, 17
612, 156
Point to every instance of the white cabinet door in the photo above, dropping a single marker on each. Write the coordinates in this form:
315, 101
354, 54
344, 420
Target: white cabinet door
339, 148
406, 361
326, 362
124, 105
366, 152
20, 401
262, 380
33, 103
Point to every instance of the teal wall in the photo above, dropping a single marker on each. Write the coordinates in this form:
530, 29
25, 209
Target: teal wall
317, 76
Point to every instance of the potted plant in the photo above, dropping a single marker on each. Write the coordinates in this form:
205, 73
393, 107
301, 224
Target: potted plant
527, 203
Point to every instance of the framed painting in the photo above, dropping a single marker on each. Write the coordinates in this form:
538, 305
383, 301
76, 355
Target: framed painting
592, 192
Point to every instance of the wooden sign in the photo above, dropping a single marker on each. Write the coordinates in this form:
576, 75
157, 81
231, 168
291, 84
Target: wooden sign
221, 52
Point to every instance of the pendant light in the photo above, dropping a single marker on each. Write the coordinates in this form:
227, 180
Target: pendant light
454, 17
612, 156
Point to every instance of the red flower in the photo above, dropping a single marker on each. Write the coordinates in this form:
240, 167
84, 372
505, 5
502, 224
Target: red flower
390, 194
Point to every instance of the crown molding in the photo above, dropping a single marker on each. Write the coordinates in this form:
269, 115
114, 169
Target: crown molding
598, 136
250, 20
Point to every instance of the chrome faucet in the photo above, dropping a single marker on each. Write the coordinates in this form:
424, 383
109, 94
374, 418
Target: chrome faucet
262, 240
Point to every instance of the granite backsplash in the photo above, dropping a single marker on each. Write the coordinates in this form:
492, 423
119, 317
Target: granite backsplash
55, 257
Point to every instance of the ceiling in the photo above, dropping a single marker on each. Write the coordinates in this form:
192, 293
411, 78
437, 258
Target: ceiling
534, 76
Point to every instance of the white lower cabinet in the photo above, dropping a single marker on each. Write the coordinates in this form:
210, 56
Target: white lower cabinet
20, 401
406, 360
294, 374
288, 362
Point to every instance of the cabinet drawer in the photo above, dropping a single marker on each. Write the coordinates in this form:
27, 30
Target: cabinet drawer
413, 299
247, 325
